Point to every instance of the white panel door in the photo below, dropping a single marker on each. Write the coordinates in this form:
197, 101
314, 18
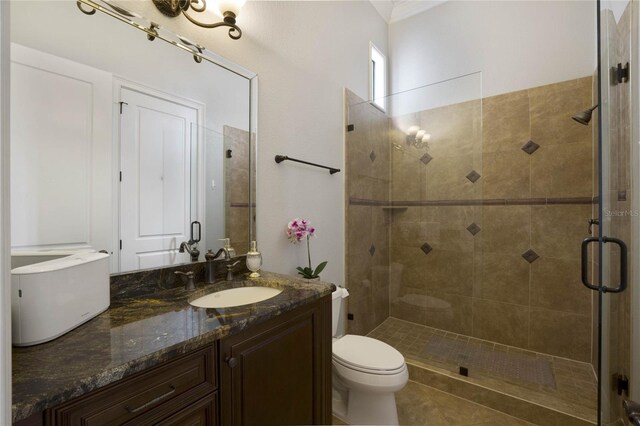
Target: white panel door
61, 141
155, 206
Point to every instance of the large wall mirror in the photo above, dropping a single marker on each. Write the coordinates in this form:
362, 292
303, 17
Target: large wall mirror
123, 144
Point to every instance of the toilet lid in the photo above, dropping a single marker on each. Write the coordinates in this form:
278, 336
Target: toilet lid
365, 353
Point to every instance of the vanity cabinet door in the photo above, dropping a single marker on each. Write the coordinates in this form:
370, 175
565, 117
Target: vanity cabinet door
279, 372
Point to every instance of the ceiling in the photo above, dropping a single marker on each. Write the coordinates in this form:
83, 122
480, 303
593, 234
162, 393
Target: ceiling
397, 10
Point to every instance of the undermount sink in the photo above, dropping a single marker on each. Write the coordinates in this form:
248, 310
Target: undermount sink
235, 297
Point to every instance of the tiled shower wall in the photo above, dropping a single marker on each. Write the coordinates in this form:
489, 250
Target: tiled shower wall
367, 245
237, 175
496, 207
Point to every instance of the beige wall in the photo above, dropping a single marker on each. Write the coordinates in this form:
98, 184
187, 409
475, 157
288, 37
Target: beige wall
481, 285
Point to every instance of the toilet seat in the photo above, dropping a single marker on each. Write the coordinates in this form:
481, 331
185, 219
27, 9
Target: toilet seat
367, 355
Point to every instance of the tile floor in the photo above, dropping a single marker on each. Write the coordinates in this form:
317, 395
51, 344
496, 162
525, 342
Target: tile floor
420, 405
561, 384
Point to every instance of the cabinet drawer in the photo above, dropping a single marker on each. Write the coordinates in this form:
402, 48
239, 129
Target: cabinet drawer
201, 413
183, 380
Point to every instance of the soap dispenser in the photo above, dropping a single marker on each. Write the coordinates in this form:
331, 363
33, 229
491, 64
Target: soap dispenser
254, 261
231, 252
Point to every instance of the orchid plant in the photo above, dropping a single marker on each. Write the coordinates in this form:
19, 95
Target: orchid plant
297, 230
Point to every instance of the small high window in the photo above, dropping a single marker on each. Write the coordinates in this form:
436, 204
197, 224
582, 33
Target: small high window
377, 77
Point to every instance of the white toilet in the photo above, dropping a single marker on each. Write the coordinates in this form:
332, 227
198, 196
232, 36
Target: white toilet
366, 374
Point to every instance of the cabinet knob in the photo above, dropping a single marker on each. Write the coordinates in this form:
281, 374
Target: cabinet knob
231, 362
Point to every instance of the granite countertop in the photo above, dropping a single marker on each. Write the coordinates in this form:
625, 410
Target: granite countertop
137, 333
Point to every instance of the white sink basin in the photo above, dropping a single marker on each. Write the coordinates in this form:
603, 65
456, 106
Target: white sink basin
235, 297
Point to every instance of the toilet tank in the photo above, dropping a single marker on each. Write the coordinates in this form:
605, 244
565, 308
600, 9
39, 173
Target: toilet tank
337, 311
50, 298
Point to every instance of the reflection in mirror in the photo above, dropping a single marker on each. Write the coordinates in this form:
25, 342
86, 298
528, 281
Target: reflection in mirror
119, 144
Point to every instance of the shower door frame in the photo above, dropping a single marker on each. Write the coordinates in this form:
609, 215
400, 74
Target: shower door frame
611, 307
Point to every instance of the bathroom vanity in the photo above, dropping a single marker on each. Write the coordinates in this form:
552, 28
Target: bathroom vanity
152, 358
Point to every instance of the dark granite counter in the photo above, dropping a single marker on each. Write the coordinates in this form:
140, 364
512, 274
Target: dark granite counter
138, 332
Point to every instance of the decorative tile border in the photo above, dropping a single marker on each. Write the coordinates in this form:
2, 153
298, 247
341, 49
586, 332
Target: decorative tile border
479, 202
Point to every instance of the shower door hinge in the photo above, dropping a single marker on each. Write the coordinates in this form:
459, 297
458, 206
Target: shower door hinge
350, 128
120, 244
622, 384
120, 176
620, 74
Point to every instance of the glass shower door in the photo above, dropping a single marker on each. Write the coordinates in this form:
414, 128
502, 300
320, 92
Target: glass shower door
615, 213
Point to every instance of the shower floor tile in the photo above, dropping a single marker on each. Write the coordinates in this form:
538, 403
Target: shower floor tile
557, 383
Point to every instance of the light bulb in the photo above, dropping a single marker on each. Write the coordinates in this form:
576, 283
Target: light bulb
413, 130
420, 134
222, 6
426, 137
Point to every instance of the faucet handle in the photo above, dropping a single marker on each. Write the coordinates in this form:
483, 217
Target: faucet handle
230, 267
189, 284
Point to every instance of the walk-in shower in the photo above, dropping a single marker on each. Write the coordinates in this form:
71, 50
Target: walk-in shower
465, 216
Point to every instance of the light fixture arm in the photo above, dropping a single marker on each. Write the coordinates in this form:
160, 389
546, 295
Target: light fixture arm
229, 21
173, 8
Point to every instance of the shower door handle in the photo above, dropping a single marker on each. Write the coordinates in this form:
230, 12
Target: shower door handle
585, 262
623, 264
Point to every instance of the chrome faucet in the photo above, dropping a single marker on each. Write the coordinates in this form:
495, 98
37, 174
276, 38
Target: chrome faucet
190, 247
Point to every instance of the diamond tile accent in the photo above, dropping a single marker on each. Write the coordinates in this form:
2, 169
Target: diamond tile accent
530, 147
530, 256
473, 176
372, 250
372, 156
473, 228
426, 158
426, 248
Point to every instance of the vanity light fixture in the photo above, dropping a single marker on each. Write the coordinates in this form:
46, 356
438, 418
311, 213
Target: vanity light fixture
227, 9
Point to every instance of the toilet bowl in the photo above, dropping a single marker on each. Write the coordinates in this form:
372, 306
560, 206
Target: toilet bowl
366, 374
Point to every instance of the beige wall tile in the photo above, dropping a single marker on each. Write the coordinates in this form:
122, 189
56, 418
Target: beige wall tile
501, 322
407, 176
449, 312
552, 107
506, 174
455, 129
502, 277
505, 122
448, 271
407, 306
558, 230
505, 229
560, 333
445, 178
561, 170
448, 226
556, 285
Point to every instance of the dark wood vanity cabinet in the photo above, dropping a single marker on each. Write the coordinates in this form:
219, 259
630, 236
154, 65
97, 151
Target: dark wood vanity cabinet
273, 373
279, 372
181, 388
